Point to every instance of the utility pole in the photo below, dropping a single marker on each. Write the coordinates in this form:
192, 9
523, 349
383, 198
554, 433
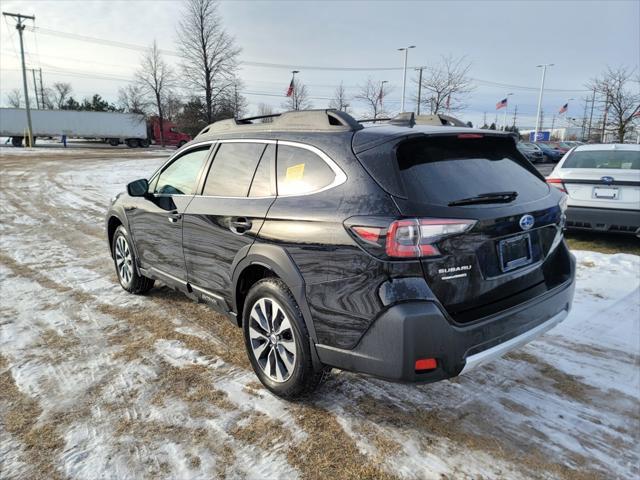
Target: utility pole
604, 119
584, 118
41, 91
593, 102
20, 27
484, 119
419, 89
404, 73
293, 81
515, 115
553, 123
544, 72
35, 87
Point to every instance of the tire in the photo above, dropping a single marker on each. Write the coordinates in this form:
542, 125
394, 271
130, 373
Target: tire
144, 143
16, 141
132, 142
114, 142
124, 261
278, 342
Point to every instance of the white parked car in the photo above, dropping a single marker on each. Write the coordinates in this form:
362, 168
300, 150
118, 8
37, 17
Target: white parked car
603, 187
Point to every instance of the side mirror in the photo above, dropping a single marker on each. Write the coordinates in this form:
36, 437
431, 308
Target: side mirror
138, 188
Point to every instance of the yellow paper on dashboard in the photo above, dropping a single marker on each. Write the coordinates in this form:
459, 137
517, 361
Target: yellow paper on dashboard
295, 172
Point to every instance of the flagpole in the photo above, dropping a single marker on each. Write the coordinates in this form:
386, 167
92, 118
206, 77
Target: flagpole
506, 109
293, 81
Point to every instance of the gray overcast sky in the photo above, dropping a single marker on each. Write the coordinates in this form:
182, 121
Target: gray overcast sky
504, 40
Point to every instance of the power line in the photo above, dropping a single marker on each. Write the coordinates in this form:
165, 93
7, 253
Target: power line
140, 48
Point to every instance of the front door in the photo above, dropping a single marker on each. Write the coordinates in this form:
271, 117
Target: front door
237, 193
156, 221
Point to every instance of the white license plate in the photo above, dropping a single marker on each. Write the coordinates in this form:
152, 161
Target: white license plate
605, 193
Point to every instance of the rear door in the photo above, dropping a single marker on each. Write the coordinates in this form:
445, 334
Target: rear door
474, 273
606, 178
227, 215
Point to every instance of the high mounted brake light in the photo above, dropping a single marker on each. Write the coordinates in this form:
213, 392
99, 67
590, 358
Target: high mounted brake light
413, 237
557, 182
470, 135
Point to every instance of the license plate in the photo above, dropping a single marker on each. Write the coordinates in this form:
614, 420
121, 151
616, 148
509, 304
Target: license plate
605, 192
515, 252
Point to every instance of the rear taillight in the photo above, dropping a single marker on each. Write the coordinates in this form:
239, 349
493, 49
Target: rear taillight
557, 182
412, 238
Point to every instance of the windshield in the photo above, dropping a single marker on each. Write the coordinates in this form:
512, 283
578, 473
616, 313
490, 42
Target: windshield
441, 170
619, 160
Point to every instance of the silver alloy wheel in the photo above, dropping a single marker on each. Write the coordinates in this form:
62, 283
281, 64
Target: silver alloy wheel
124, 261
272, 339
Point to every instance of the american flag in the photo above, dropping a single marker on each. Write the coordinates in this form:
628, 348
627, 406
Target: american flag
501, 104
564, 108
290, 89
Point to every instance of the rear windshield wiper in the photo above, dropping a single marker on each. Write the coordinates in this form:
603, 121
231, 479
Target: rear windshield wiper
494, 197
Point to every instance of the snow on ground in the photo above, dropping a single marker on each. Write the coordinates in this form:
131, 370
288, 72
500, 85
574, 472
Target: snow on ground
96, 383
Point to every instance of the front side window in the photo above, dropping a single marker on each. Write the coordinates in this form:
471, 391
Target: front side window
301, 171
181, 176
233, 169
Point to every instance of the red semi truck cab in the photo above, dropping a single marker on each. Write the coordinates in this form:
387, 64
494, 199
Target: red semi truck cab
172, 136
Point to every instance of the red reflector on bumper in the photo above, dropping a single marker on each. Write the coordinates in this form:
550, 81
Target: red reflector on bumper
426, 364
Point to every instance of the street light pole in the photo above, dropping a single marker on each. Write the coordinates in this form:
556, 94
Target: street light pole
544, 72
404, 73
20, 27
380, 97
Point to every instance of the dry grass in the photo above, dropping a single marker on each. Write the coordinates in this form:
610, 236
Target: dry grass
261, 431
20, 416
328, 451
436, 424
567, 385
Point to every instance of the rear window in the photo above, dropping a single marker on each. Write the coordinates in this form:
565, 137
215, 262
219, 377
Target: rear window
439, 170
619, 160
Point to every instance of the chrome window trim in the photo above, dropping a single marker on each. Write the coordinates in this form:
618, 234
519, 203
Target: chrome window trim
339, 178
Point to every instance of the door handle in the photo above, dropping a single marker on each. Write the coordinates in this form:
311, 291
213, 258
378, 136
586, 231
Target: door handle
240, 224
174, 218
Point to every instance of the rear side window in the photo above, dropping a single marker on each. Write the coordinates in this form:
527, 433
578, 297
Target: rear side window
619, 160
439, 170
232, 169
181, 176
301, 171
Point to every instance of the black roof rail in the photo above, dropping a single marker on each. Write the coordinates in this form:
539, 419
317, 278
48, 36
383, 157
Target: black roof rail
405, 119
327, 120
410, 119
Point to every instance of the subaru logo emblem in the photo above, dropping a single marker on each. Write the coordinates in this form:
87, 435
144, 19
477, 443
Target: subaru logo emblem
607, 180
526, 222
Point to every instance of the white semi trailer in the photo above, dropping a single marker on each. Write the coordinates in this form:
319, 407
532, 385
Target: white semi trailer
114, 128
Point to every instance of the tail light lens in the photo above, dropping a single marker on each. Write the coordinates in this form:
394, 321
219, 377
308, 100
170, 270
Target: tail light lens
412, 238
557, 182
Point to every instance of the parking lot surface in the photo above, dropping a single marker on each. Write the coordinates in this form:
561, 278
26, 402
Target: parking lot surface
97, 383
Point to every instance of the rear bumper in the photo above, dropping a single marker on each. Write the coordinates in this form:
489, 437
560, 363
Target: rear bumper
603, 219
419, 329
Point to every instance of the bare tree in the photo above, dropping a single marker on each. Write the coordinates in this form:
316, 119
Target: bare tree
299, 98
265, 109
14, 98
60, 91
236, 101
132, 99
446, 85
621, 93
172, 106
340, 101
156, 79
210, 54
372, 94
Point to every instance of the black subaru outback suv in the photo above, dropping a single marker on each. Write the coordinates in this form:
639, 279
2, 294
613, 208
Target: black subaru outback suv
404, 251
